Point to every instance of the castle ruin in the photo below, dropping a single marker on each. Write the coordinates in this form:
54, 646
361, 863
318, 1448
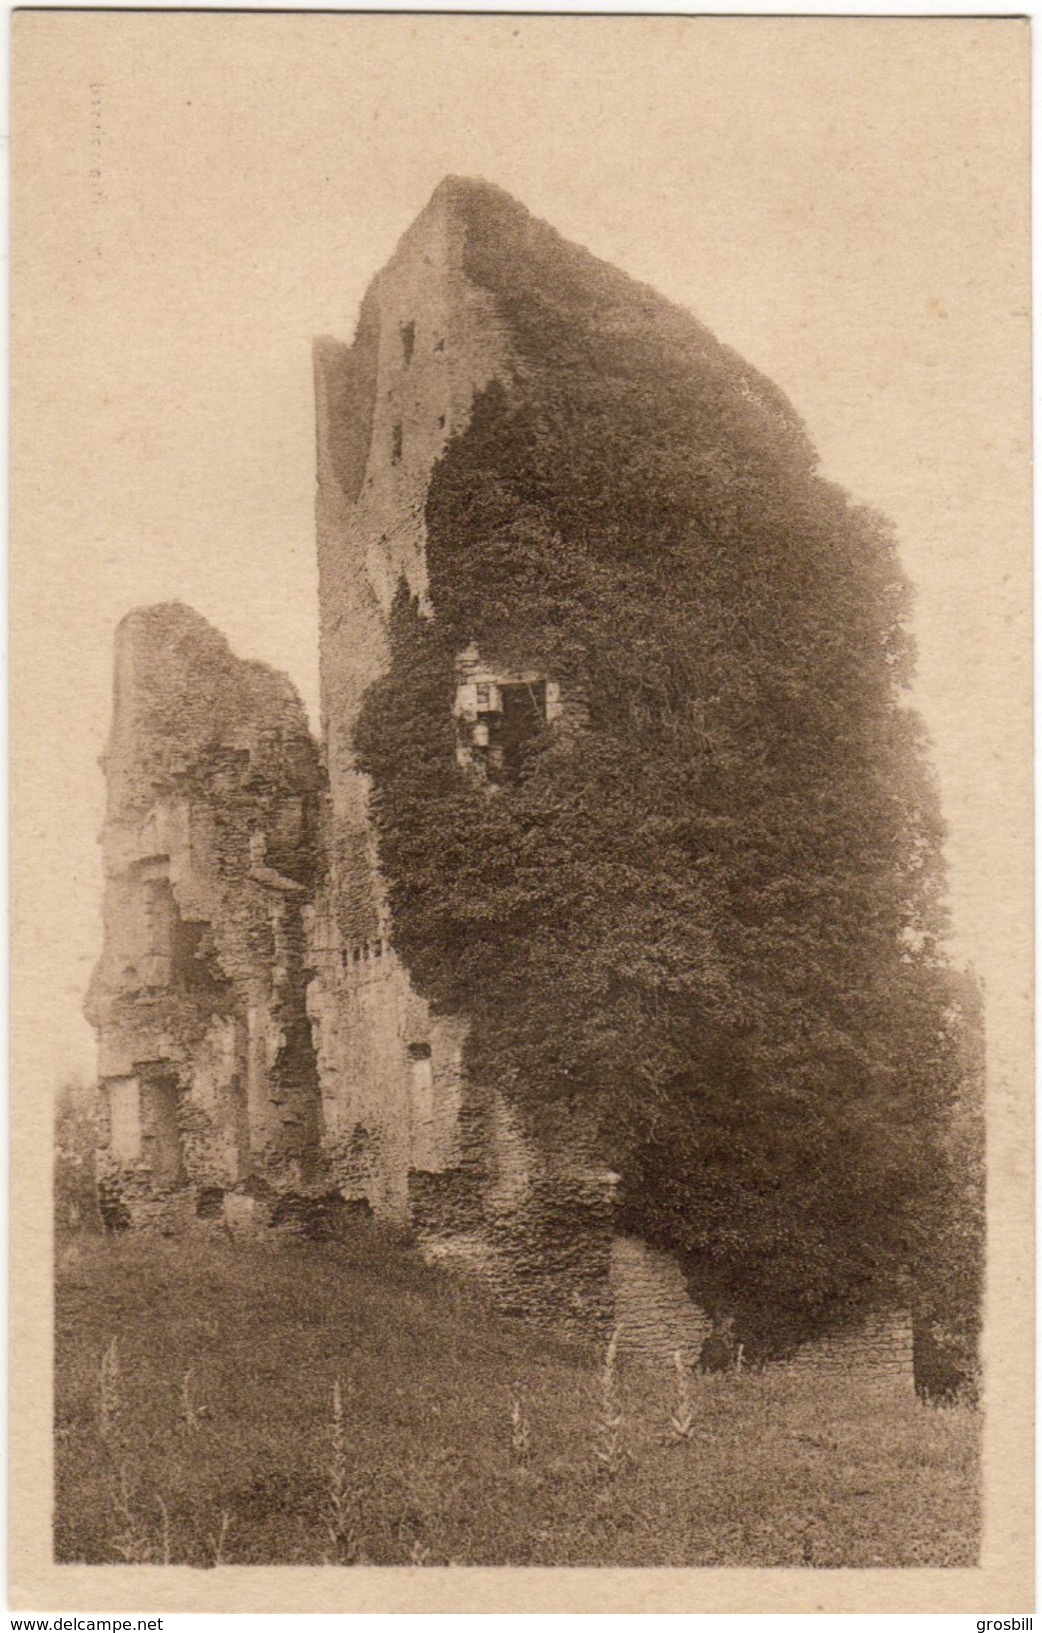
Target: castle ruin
264, 1056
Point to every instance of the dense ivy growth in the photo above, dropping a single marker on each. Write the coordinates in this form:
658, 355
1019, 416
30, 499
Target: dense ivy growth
713, 912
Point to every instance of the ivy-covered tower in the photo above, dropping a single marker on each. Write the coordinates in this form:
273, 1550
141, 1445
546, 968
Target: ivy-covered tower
626, 946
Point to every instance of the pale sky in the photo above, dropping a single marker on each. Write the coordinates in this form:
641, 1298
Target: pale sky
196, 196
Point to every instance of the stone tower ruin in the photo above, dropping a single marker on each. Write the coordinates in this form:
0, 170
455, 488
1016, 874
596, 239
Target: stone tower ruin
210, 844
263, 1049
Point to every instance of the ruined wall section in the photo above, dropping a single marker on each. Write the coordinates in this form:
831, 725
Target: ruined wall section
427, 341
657, 1317
532, 1212
206, 1067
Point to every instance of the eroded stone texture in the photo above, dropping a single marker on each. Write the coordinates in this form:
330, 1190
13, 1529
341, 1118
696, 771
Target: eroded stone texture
206, 1066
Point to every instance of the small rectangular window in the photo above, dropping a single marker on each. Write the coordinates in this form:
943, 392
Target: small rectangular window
524, 712
408, 341
396, 442
421, 1072
124, 1098
161, 1132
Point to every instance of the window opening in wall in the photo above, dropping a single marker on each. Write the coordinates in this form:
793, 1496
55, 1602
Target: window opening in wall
523, 712
171, 950
441, 422
497, 718
421, 1070
439, 345
238, 1102
160, 919
408, 341
209, 1203
378, 949
160, 1131
124, 1101
396, 442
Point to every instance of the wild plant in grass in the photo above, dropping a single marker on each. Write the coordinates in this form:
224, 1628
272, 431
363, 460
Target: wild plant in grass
682, 1417
341, 1508
520, 1434
608, 1448
136, 1540
192, 1412
164, 1531
219, 1538
110, 1392
131, 1540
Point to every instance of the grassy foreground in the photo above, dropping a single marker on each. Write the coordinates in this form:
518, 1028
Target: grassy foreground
302, 1403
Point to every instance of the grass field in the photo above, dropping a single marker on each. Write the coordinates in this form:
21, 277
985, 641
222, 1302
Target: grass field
304, 1403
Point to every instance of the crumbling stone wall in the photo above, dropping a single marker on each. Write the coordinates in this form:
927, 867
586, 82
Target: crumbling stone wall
530, 1210
210, 846
656, 1314
427, 341
657, 1317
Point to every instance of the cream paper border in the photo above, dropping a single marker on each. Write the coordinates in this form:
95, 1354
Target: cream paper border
44, 55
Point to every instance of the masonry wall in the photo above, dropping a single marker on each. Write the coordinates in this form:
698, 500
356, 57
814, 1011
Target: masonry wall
206, 1068
657, 1317
427, 341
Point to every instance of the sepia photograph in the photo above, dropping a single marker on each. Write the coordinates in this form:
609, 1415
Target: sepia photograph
522, 812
